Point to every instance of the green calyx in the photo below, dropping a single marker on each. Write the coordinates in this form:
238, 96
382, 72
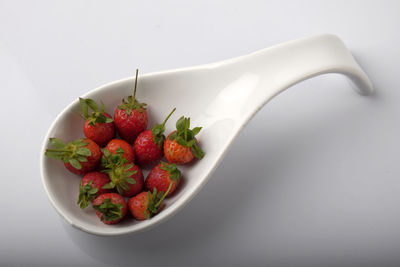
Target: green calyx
109, 161
118, 171
155, 200
109, 210
73, 152
185, 136
132, 103
158, 132
87, 193
97, 115
174, 173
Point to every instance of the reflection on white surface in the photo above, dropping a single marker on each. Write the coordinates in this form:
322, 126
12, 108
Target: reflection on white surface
230, 100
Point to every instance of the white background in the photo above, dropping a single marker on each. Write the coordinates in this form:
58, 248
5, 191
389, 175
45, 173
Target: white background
314, 179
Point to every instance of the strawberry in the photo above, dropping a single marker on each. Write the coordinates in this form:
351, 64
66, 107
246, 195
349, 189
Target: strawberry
146, 204
99, 125
127, 178
79, 156
131, 117
116, 145
149, 144
181, 145
91, 186
162, 177
110, 207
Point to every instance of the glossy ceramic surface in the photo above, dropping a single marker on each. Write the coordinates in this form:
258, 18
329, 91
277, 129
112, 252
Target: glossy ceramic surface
222, 97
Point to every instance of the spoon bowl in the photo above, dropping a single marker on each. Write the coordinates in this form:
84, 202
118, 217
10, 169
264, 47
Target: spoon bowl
221, 97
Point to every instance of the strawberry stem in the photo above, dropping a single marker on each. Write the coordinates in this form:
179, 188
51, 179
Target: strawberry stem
134, 90
165, 194
163, 124
185, 133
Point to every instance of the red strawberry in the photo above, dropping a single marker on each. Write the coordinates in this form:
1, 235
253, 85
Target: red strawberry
110, 207
149, 144
79, 156
126, 177
115, 146
133, 188
99, 125
162, 177
181, 145
131, 117
146, 204
91, 186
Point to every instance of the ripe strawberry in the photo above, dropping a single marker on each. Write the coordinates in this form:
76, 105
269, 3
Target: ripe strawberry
131, 117
116, 145
146, 204
91, 186
110, 207
99, 125
181, 145
79, 156
126, 177
149, 144
162, 177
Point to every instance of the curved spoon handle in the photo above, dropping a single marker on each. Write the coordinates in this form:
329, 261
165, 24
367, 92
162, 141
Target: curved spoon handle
295, 61
260, 76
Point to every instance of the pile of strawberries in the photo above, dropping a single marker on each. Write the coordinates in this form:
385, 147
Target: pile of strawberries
111, 167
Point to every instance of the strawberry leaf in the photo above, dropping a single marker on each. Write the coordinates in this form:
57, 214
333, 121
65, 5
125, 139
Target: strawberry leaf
196, 130
75, 163
130, 173
78, 142
85, 108
181, 141
155, 200
197, 151
81, 159
132, 104
173, 171
184, 136
109, 185
110, 161
173, 136
57, 143
106, 152
118, 170
72, 152
93, 191
127, 167
97, 116
156, 130
109, 210
180, 124
187, 123
83, 151
130, 180
191, 142
122, 187
55, 154
101, 118
92, 104
103, 108
87, 193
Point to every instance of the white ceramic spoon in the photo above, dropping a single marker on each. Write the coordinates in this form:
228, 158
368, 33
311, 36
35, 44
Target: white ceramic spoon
222, 97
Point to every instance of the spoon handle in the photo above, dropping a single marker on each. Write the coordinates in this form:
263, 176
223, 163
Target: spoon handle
289, 63
256, 78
